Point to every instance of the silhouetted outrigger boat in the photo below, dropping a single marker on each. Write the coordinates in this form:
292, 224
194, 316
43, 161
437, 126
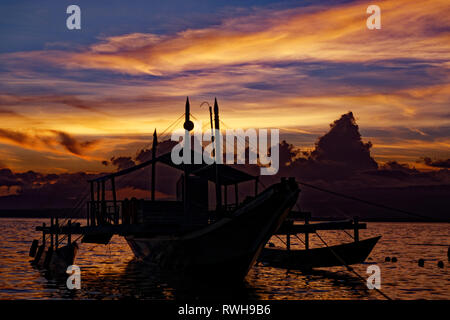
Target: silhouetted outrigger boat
184, 236
328, 256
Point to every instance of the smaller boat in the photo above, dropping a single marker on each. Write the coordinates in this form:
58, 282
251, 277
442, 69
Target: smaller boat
328, 256
350, 253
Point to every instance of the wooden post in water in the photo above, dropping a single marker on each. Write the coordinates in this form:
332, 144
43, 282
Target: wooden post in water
52, 226
97, 206
69, 236
43, 234
92, 206
103, 202
225, 196
236, 194
306, 231
356, 228
154, 144
56, 233
116, 213
88, 212
288, 241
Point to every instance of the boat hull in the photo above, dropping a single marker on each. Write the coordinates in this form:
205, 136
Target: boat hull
350, 253
228, 247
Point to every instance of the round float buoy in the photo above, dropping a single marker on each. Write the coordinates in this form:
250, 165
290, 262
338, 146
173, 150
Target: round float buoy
387, 259
421, 262
440, 264
394, 259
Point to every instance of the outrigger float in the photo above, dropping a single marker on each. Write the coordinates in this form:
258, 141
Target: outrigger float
182, 236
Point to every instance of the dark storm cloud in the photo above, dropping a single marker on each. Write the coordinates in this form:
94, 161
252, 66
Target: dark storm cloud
73, 145
14, 136
341, 162
67, 141
343, 144
37, 190
122, 162
437, 163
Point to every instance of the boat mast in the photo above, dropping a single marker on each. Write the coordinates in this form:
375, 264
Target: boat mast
212, 131
188, 126
218, 154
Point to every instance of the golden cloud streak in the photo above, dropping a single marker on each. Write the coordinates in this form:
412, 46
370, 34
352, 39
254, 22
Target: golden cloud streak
338, 34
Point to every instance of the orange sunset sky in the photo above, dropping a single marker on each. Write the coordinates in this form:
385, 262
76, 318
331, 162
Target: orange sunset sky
72, 98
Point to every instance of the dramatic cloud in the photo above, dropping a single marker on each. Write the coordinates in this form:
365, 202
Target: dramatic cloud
437, 163
39, 191
293, 66
333, 33
73, 145
343, 144
122, 162
355, 173
48, 139
14, 136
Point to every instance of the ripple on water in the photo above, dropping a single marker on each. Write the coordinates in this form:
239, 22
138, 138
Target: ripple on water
110, 272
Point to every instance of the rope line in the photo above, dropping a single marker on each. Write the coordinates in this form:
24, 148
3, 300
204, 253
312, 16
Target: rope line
365, 201
350, 268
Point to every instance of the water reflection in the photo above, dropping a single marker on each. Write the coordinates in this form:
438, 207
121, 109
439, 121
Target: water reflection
110, 272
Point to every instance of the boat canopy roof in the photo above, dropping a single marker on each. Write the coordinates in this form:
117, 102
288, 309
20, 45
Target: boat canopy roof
228, 175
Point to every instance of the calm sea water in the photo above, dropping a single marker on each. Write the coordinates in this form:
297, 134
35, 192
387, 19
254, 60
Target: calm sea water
110, 272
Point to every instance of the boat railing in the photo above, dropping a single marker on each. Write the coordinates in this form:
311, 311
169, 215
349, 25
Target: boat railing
139, 211
104, 212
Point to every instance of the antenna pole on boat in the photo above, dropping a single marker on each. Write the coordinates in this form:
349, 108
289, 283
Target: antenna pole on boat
155, 142
218, 154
